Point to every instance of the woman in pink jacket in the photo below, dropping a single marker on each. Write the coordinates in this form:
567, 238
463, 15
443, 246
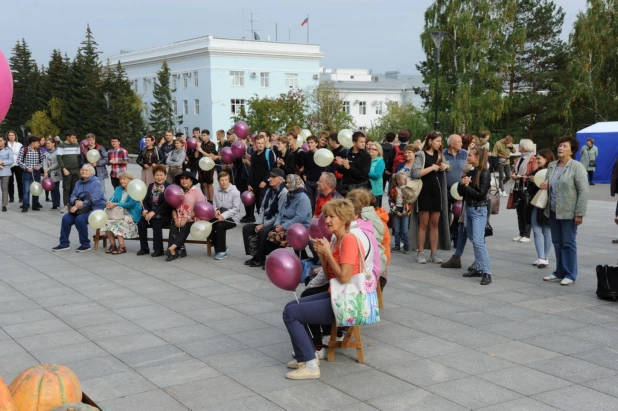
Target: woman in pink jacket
183, 217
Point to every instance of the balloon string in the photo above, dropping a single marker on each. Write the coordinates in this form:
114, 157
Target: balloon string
308, 329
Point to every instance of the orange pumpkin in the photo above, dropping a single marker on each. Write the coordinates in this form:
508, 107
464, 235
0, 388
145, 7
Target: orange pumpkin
45, 387
6, 401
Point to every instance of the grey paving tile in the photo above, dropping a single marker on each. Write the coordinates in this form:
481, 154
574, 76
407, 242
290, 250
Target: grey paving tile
519, 352
424, 372
237, 325
512, 312
153, 356
16, 363
473, 362
607, 385
97, 367
245, 360
200, 394
389, 332
10, 347
418, 399
474, 318
429, 346
603, 356
235, 298
524, 380
210, 315
578, 398
164, 322
156, 400
303, 397
68, 353
554, 322
21, 317
35, 327
90, 319
125, 302
558, 343
516, 330
596, 333
18, 304
116, 385
131, 342
55, 339
382, 385
187, 333
255, 402
144, 311
522, 404
263, 336
193, 303
266, 379
473, 392
212, 346
62, 311
572, 369
111, 330
180, 372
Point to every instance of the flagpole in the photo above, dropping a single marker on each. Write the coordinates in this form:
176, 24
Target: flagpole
307, 29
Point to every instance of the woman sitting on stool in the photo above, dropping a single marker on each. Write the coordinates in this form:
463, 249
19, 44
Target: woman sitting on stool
227, 207
156, 214
183, 217
125, 227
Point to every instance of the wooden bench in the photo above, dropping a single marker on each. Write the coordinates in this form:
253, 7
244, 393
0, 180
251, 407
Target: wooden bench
98, 237
353, 331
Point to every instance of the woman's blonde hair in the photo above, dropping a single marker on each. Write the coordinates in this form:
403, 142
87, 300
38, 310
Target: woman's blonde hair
378, 147
340, 208
126, 175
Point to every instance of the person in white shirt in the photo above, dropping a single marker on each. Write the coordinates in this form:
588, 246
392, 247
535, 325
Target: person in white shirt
16, 172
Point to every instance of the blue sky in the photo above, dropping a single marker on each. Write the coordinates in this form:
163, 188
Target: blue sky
370, 34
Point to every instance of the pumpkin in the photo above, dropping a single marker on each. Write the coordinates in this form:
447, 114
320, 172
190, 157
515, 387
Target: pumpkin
6, 401
76, 406
45, 387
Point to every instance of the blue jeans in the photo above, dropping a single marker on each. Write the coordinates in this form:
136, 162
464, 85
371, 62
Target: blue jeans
55, 195
476, 219
542, 235
314, 309
564, 237
28, 179
401, 227
81, 224
462, 239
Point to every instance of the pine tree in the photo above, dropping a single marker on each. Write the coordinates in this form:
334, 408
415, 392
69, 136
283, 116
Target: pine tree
162, 116
54, 90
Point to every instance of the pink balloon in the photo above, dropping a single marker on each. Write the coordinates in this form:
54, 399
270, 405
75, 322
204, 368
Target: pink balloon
174, 195
284, 269
305, 147
298, 236
241, 129
253, 136
48, 184
227, 155
456, 209
204, 210
247, 198
6, 86
84, 142
314, 229
191, 143
239, 149
323, 229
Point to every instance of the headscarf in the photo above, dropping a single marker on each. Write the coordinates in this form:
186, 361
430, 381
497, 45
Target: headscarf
295, 185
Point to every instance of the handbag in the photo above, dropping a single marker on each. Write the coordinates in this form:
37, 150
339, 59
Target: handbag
356, 302
116, 213
591, 163
83, 196
489, 231
511, 202
540, 199
607, 282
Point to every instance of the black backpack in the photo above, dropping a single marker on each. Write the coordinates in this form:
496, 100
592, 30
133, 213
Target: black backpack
607, 282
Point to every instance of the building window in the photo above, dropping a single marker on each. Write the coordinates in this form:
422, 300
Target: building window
237, 105
185, 107
173, 81
237, 78
362, 128
175, 107
186, 131
145, 85
184, 80
196, 83
362, 108
346, 107
291, 80
379, 108
265, 79
196, 106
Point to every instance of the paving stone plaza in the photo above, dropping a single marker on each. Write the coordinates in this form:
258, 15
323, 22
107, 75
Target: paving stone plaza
200, 334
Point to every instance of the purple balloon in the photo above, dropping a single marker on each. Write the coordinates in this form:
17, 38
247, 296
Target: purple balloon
227, 155
204, 210
241, 129
174, 195
297, 236
305, 147
314, 230
247, 198
323, 229
191, 143
253, 136
239, 149
456, 209
48, 184
284, 269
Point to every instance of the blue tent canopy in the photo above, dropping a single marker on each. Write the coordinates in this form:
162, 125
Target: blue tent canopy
605, 136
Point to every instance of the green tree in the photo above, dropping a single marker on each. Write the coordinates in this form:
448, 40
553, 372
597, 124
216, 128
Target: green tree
41, 125
54, 90
275, 113
25, 80
162, 115
398, 117
326, 113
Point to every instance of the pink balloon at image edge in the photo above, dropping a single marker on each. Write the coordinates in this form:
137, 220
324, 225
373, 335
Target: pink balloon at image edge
48, 184
305, 147
247, 198
284, 269
227, 155
239, 149
456, 210
204, 210
174, 195
191, 143
323, 229
241, 129
314, 230
297, 236
6, 86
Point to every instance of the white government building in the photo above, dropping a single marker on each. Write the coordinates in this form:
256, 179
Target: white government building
215, 77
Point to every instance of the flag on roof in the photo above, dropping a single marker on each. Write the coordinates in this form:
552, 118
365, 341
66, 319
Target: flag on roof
305, 21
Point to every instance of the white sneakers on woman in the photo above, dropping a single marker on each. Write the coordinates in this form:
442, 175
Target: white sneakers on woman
563, 281
542, 263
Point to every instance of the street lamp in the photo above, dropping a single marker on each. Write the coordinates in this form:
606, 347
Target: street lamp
23, 131
107, 95
437, 37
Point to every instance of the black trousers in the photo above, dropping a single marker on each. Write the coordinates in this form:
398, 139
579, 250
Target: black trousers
590, 176
259, 196
157, 234
178, 236
115, 182
68, 185
312, 191
217, 236
248, 230
16, 180
524, 227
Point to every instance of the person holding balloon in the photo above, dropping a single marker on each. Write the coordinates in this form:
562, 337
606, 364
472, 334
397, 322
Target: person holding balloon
69, 160
150, 155
99, 162
30, 159
125, 227
312, 171
356, 165
183, 216
118, 158
262, 160
6, 162
227, 213
87, 197
206, 148
540, 223
175, 160
156, 213
52, 171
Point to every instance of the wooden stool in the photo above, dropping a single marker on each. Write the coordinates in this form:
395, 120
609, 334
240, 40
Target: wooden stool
380, 302
353, 331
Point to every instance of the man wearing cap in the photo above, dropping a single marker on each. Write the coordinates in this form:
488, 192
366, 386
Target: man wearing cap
273, 202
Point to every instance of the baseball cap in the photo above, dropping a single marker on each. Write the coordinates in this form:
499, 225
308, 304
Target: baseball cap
276, 172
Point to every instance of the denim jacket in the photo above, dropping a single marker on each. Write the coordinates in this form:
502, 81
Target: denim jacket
571, 190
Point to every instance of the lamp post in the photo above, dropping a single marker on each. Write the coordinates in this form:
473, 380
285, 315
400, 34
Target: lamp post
107, 95
23, 132
437, 37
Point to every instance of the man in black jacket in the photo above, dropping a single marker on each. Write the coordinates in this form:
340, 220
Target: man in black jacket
355, 168
262, 161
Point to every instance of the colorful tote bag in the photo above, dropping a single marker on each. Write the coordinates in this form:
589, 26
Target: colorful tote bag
355, 303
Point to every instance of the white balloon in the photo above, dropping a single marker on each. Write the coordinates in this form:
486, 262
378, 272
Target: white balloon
454, 192
345, 138
137, 190
300, 140
540, 176
305, 133
36, 189
93, 156
206, 163
323, 157
200, 230
97, 219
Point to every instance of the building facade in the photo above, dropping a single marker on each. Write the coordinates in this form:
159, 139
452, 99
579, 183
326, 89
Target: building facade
214, 77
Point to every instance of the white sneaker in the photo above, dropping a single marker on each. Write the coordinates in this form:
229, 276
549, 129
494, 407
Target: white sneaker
516, 238
524, 240
504, 194
64, 210
320, 355
420, 258
433, 257
543, 263
552, 278
566, 281
536, 262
